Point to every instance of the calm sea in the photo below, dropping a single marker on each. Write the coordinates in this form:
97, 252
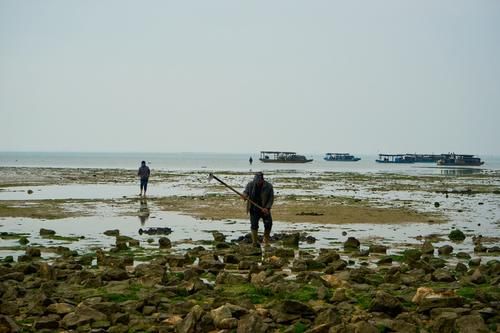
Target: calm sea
223, 162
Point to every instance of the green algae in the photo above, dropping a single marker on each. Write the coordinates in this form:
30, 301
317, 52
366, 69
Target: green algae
263, 295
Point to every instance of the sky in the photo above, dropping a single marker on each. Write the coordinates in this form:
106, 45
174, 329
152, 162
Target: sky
387, 76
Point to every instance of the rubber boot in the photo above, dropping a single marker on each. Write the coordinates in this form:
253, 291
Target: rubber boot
267, 237
255, 238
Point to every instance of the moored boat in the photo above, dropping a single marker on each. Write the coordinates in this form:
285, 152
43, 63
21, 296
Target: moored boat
395, 158
426, 158
460, 160
282, 157
340, 157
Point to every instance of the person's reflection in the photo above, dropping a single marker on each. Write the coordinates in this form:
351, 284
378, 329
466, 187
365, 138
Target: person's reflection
143, 211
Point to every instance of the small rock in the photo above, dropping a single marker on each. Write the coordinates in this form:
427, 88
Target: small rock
460, 267
436, 204
33, 252
23, 240
8, 325
47, 232
218, 236
477, 277
251, 323
456, 235
60, 308
385, 302
113, 232
427, 248
156, 231
445, 250
475, 262
165, 243
351, 244
442, 275
375, 248
50, 322
471, 324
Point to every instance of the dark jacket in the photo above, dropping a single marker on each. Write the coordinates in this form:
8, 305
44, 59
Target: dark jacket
144, 172
266, 194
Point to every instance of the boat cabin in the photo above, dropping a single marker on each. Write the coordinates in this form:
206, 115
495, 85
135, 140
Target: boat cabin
341, 157
460, 160
395, 158
282, 157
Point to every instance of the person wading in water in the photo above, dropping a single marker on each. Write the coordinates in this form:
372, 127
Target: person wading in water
144, 173
262, 193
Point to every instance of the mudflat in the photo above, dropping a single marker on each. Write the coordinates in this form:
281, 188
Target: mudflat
324, 198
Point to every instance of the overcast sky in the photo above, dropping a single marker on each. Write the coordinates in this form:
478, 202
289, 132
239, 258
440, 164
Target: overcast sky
243, 76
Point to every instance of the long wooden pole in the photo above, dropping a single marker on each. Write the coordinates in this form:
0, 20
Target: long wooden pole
235, 191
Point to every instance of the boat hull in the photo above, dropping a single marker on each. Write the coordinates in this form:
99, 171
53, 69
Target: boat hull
395, 162
353, 160
286, 162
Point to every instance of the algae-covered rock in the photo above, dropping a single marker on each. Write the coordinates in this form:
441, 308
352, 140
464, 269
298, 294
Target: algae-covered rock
445, 250
189, 323
251, 323
351, 244
412, 255
23, 240
165, 243
113, 232
83, 315
456, 235
218, 236
377, 248
7, 324
386, 303
33, 252
470, 324
427, 248
47, 232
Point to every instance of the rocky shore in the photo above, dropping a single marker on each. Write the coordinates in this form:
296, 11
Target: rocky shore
230, 286
418, 263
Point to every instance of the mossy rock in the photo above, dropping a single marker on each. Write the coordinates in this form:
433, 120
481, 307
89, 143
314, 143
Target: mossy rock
23, 240
412, 255
456, 235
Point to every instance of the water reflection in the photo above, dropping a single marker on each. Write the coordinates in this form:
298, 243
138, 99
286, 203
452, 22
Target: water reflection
460, 171
143, 211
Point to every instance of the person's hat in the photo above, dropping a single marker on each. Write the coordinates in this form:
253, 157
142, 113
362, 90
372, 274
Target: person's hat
258, 176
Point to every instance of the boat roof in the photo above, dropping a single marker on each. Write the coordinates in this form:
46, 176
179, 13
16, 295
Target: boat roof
337, 154
277, 152
392, 154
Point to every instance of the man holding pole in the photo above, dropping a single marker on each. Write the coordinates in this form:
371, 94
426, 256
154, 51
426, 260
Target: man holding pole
261, 197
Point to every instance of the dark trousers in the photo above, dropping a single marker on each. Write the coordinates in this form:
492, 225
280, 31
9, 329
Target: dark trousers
255, 216
144, 184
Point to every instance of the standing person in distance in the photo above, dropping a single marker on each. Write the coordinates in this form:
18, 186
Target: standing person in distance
262, 193
144, 173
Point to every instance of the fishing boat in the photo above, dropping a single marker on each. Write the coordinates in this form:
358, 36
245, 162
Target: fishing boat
340, 157
460, 160
282, 157
395, 158
426, 158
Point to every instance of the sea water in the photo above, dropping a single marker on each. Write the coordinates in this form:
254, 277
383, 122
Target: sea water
225, 162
